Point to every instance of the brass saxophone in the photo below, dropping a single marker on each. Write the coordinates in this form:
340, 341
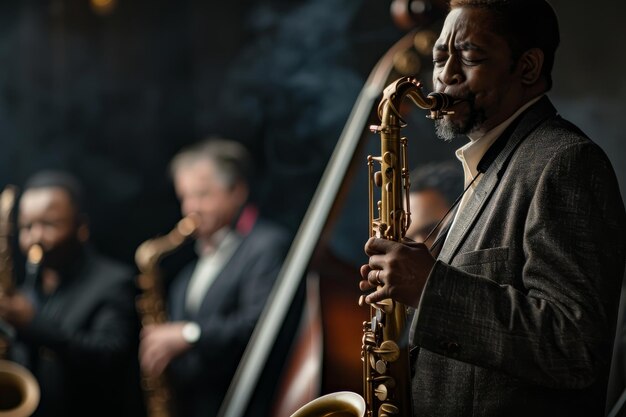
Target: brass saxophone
19, 390
385, 355
384, 352
151, 304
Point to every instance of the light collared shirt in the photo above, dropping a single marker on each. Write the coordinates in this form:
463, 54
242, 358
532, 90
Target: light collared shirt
472, 152
209, 266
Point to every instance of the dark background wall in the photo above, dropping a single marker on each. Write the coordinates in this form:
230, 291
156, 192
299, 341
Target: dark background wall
111, 97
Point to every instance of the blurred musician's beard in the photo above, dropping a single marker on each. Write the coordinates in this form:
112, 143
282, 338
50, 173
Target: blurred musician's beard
63, 255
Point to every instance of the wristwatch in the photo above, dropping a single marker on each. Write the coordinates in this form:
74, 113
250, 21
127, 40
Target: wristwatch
191, 332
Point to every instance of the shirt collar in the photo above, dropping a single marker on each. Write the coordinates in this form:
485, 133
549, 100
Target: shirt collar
472, 152
207, 247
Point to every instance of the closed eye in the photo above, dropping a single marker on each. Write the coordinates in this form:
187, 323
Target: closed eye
472, 62
439, 61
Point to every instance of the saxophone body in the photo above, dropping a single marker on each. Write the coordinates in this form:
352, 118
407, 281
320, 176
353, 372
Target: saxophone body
385, 355
384, 352
19, 390
151, 305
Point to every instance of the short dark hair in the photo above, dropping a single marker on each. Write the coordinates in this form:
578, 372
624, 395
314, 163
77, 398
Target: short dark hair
58, 179
232, 160
525, 24
444, 177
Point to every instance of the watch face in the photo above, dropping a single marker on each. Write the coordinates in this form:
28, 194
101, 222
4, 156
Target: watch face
191, 332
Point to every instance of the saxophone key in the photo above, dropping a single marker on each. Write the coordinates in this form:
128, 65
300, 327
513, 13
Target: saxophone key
378, 178
375, 128
388, 351
380, 366
388, 409
381, 392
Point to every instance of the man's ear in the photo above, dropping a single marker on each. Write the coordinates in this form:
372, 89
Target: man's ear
530, 65
83, 230
242, 192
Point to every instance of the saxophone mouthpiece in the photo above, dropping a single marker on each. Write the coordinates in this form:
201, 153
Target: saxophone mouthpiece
33, 261
35, 254
441, 101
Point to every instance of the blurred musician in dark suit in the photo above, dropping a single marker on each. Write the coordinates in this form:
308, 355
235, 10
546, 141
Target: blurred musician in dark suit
74, 314
215, 301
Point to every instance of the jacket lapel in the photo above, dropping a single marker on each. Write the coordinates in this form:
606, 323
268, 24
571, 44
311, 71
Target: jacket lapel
513, 136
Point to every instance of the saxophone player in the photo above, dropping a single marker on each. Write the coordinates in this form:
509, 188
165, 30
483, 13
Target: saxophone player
213, 303
516, 311
76, 328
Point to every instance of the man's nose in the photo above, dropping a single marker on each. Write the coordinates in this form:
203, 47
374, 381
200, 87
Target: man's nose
189, 206
452, 72
35, 233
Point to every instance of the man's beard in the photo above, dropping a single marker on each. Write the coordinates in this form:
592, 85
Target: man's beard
447, 130
62, 255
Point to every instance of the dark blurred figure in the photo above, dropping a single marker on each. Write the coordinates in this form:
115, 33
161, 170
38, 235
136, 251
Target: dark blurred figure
76, 328
434, 187
616, 395
215, 301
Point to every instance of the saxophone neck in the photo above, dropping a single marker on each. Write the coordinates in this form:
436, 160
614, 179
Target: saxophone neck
150, 252
395, 93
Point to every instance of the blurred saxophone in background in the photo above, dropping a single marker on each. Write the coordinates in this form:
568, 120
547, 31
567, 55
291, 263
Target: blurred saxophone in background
19, 390
151, 304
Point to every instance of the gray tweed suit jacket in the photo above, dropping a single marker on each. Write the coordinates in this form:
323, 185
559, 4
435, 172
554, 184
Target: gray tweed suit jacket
518, 314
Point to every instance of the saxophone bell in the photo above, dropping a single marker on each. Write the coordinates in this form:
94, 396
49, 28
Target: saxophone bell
19, 388
343, 403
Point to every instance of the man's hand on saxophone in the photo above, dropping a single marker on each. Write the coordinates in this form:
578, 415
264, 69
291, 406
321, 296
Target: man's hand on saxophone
16, 309
395, 270
159, 345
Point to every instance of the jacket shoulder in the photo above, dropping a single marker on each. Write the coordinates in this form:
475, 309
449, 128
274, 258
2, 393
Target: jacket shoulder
104, 268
